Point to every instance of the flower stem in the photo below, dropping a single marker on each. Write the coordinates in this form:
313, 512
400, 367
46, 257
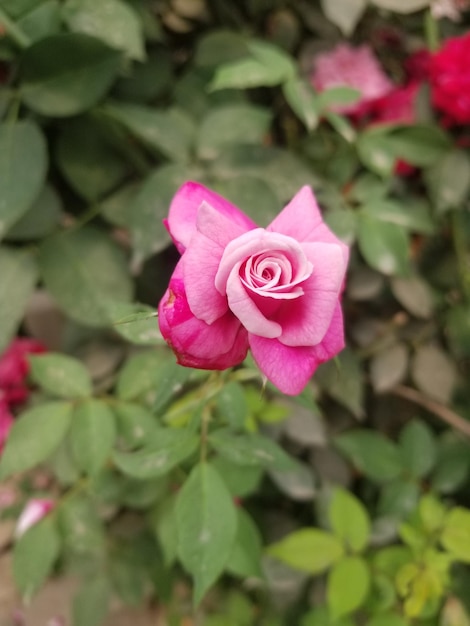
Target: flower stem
14, 32
431, 30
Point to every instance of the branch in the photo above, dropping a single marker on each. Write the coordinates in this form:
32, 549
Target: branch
440, 410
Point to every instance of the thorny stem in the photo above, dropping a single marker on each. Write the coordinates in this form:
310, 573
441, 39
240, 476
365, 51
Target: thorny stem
439, 410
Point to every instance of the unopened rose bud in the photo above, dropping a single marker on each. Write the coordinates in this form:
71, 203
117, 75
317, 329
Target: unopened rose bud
33, 512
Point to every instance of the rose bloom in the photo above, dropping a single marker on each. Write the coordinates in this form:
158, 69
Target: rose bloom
450, 80
276, 290
346, 66
14, 368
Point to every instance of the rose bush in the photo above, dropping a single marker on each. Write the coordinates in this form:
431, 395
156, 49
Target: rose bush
275, 290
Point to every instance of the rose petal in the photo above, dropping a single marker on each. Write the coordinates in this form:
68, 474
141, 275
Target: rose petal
197, 344
290, 368
201, 263
302, 220
246, 309
306, 320
181, 223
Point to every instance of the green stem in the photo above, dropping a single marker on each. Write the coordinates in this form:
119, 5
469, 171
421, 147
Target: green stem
14, 32
431, 30
459, 230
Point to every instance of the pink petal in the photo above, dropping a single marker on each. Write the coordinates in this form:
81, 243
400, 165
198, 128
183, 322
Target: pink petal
302, 220
306, 320
182, 216
219, 345
201, 262
290, 368
247, 311
33, 512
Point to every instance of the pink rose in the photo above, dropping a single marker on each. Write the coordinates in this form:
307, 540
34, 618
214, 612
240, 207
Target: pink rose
275, 290
34, 511
346, 66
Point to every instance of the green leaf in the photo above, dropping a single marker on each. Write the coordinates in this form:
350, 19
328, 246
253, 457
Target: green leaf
434, 372
34, 436
137, 323
85, 271
232, 405
384, 246
135, 423
42, 21
150, 206
207, 525
266, 66
245, 558
375, 456
421, 145
230, 124
82, 531
302, 99
16, 8
322, 617
112, 21
415, 295
92, 435
34, 556
348, 586
345, 14
349, 519
90, 604
167, 449
168, 132
149, 80
309, 550
219, 47
375, 151
66, 74
87, 160
251, 450
144, 374
456, 534
418, 448
166, 530
448, 181
343, 380
41, 219
61, 375
414, 215
399, 499
241, 480
389, 367
453, 465
18, 278
335, 96
254, 196
23, 166
390, 619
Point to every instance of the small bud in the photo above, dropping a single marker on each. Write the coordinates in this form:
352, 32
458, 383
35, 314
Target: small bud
33, 512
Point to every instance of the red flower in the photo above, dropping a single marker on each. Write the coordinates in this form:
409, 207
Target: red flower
14, 368
450, 80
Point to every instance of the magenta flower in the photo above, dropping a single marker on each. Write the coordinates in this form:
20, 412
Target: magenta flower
276, 290
346, 66
14, 368
34, 511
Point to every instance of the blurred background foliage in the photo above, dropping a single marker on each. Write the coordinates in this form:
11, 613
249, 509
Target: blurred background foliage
348, 505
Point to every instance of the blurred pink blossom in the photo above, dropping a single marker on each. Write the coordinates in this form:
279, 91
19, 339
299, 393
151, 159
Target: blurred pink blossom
14, 368
33, 512
348, 66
